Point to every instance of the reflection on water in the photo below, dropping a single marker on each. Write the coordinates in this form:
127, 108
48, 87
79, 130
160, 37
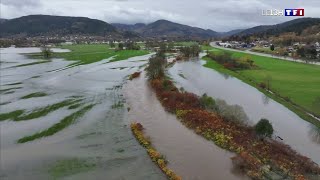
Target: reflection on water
315, 133
226, 76
265, 99
287, 125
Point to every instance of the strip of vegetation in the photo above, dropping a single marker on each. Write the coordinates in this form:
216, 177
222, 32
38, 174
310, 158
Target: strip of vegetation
65, 122
181, 75
33, 95
13, 84
33, 63
117, 105
232, 63
75, 106
267, 83
46, 110
11, 115
63, 168
2, 91
156, 157
258, 155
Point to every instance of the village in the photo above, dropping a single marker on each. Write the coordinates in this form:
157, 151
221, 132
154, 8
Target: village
308, 52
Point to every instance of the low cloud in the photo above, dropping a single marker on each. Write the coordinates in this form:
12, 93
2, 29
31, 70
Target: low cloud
19, 4
219, 15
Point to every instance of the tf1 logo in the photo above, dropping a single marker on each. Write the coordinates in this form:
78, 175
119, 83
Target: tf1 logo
294, 12
286, 12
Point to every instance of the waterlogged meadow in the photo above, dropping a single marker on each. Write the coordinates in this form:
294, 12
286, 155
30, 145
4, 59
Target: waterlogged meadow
60, 121
69, 116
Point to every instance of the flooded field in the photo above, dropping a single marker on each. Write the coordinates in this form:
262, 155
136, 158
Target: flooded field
61, 123
72, 122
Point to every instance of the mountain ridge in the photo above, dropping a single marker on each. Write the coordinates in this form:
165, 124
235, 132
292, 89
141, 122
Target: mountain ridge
37, 25
295, 25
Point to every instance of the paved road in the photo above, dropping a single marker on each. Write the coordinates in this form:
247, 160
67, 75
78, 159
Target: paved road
213, 44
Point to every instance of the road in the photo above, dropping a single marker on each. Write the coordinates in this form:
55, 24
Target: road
213, 44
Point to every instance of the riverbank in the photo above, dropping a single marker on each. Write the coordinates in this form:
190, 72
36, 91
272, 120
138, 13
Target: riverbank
292, 84
258, 159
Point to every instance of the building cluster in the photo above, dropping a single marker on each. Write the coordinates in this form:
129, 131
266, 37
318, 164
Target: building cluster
310, 50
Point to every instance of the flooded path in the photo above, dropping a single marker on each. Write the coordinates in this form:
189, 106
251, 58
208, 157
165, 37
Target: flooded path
299, 134
190, 156
97, 145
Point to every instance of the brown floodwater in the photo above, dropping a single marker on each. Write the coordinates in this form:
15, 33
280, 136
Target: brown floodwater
189, 155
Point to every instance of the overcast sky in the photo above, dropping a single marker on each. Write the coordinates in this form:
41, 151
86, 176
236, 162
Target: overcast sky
218, 15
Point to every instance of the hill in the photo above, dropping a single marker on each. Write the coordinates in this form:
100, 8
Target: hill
3, 20
36, 25
164, 28
230, 33
297, 26
128, 27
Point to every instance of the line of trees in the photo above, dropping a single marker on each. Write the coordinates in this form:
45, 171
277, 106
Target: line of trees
130, 45
230, 62
156, 66
190, 51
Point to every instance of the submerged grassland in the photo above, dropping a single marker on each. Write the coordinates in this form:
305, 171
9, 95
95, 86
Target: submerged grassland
90, 53
65, 122
22, 115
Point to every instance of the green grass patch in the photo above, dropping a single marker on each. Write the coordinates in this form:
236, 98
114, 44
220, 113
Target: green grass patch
63, 168
75, 106
65, 122
11, 115
186, 43
90, 53
296, 85
33, 95
46, 110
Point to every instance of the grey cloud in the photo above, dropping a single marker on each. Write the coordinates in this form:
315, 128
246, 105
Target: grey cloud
219, 15
20, 4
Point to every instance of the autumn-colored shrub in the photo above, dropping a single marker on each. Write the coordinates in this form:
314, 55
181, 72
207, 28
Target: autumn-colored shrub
254, 156
228, 66
134, 75
179, 58
156, 157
